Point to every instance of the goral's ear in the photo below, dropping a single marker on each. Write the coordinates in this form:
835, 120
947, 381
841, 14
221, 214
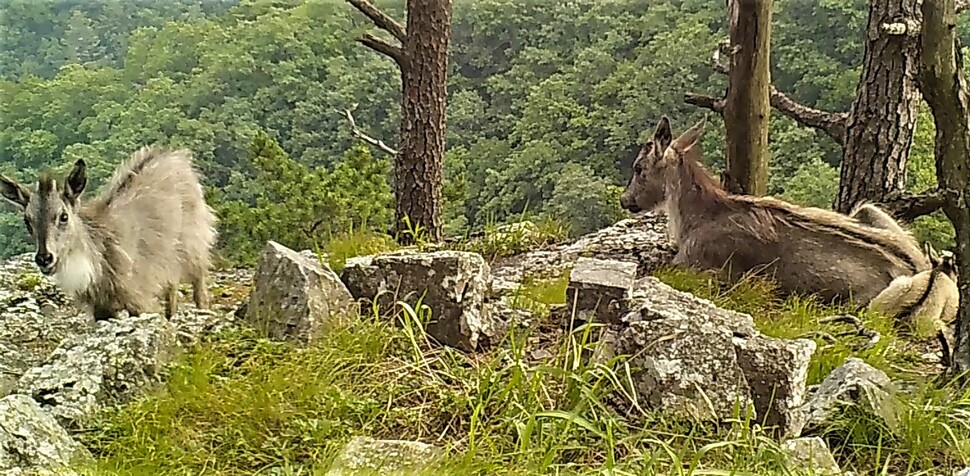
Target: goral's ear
14, 192
689, 138
662, 135
76, 181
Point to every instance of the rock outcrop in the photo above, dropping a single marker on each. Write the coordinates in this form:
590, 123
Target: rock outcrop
694, 359
30, 438
452, 284
116, 362
58, 367
295, 295
642, 240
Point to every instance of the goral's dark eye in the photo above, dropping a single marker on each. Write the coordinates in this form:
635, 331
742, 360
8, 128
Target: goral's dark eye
637, 169
30, 229
63, 218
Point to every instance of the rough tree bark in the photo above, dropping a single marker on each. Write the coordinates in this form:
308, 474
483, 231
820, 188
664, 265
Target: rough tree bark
877, 132
946, 92
882, 118
423, 60
746, 106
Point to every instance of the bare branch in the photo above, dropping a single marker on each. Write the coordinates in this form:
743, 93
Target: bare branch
907, 207
380, 19
831, 123
396, 53
706, 102
364, 137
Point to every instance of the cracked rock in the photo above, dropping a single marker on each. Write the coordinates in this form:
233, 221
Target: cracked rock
694, 359
31, 441
452, 284
294, 295
114, 363
600, 289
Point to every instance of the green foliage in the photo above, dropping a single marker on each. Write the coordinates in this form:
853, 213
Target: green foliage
814, 184
548, 120
299, 207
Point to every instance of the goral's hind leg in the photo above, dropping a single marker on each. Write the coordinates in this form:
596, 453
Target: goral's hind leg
171, 298
200, 293
102, 313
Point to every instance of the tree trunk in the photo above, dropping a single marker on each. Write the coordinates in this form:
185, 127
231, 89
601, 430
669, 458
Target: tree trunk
946, 92
420, 158
746, 107
882, 118
423, 60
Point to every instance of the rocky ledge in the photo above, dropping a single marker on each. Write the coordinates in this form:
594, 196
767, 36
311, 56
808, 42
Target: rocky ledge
688, 357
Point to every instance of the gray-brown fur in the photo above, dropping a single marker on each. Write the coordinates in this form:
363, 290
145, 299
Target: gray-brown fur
147, 231
806, 249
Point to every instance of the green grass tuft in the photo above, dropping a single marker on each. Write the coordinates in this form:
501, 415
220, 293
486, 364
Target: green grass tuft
341, 247
28, 281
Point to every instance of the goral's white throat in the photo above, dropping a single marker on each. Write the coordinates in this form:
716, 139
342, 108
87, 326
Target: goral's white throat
75, 272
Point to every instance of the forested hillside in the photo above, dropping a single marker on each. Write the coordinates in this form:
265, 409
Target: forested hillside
547, 103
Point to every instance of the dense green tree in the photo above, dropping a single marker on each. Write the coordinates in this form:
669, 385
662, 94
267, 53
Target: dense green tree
547, 104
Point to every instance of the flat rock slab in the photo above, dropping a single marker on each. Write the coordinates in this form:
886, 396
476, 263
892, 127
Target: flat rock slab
115, 363
295, 295
452, 284
32, 441
367, 456
600, 289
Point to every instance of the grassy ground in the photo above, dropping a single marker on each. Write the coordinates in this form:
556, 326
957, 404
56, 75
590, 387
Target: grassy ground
240, 405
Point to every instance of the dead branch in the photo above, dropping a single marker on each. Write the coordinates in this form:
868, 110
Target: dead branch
861, 329
364, 137
907, 207
706, 102
396, 53
380, 19
831, 123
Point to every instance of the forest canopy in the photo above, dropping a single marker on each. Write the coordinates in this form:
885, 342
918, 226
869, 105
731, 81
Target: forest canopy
547, 105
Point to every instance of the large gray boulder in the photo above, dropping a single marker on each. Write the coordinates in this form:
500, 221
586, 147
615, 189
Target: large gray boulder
452, 284
295, 296
367, 456
115, 363
693, 358
31, 440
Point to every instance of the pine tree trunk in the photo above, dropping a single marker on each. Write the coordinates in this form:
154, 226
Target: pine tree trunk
747, 107
423, 60
946, 92
883, 115
420, 158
